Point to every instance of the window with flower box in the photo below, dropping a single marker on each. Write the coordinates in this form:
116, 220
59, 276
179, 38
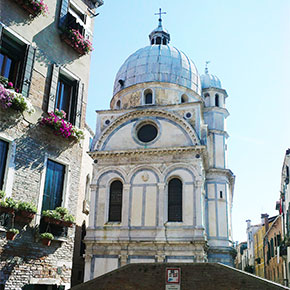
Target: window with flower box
16, 60
66, 93
53, 196
75, 27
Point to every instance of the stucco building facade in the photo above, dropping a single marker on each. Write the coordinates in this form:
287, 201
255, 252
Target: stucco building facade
37, 164
161, 190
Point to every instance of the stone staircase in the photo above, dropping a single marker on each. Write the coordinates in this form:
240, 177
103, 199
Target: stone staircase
194, 276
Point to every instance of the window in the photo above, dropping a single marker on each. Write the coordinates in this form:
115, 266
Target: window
184, 99
217, 100
12, 60
16, 61
158, 40
175, 200
53, 187
221, 194
148, 97
66, 93
3, 159
115, 203
66, 97
71, 16
118, 104
147, 132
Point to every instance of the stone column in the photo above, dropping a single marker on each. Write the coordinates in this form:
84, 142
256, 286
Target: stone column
125, 205
199, 201
87, 272
161, 205
93, 207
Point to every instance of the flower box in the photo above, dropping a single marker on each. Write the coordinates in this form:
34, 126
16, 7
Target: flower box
66, 224
62, 127
46, 241
78, 42
51, 220
68, 41
33, 7
10, 236
7, 209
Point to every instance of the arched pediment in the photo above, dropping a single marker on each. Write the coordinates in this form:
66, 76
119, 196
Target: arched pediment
172, 131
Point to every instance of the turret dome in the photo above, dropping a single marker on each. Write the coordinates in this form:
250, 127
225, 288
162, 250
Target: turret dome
210, 80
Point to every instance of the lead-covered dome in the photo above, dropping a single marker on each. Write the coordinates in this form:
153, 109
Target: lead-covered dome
210, 81
158, 63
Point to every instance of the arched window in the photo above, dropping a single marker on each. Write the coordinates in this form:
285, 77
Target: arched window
115, 203
175, 200
148, 97
184, 99
164, 41
158, 40
118, 105
152, 41
216, 100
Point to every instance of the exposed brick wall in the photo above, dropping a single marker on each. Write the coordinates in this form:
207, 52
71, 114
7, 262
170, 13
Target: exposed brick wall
197, 276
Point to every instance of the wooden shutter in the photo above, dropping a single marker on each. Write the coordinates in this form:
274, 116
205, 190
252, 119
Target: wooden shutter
63, 13
1, 29
53, 88
30, 55
79, 102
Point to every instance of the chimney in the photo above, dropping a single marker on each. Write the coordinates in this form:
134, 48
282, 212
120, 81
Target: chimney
265, 221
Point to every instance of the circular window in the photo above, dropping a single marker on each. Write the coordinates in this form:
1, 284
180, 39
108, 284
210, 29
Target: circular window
107, 122
147, 132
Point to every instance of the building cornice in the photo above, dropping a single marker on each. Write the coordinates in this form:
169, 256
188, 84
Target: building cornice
148, 152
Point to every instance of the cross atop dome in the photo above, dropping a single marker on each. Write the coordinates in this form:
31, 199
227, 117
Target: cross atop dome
159, 36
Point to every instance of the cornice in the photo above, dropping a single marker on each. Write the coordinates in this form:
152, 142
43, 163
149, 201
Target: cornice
148, 152
216, 109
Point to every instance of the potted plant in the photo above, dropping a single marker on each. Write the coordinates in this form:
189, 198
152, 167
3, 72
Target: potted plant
68, 220
11, 234
2, 194
52, 217
46, 238
8, 205
27, 209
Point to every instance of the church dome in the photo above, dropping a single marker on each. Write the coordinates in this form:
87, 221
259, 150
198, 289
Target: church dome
210, 81
158, 62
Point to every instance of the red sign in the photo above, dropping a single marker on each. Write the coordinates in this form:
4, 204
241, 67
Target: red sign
173, 275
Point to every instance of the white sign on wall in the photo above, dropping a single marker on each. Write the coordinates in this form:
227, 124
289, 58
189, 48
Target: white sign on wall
173, 278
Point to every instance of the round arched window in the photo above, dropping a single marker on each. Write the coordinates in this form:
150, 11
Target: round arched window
147, 132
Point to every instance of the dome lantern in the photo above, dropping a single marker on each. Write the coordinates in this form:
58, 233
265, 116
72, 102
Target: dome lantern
159, 35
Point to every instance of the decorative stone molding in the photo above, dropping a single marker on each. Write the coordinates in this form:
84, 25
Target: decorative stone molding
148, 113
147, 152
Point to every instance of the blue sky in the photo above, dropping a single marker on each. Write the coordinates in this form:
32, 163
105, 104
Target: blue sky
248, 44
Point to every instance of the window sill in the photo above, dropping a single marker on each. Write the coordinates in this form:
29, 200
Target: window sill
108, 224
60, 239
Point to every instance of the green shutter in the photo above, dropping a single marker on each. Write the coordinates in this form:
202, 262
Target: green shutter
63, 13
53, 88
1, 28
79, 104
30, 55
